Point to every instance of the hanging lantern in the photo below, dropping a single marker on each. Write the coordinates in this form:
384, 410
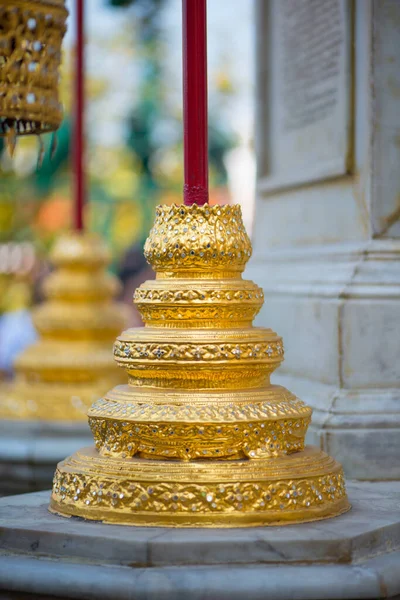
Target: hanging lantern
31, 34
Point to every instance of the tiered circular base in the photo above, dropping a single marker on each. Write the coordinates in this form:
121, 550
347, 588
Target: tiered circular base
199, 437
187, 424
301, 487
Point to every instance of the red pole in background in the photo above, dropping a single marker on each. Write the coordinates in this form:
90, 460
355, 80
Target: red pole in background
79, 119
195, 122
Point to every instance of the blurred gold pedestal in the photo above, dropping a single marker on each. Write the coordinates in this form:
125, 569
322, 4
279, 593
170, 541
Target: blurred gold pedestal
70, 366
199, 437
43, 411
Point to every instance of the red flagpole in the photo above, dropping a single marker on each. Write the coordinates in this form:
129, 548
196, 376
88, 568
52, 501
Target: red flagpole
79, 119
195, 123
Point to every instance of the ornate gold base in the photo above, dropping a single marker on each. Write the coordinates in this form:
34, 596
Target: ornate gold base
301, 487
199, 437
255, 423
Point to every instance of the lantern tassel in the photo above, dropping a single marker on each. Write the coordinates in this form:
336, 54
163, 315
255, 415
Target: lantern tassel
11, 140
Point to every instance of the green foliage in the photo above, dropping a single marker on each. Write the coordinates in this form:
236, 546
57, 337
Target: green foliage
51, 166
149, 107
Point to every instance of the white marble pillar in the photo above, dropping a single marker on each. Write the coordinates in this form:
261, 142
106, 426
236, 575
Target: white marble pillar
327, 218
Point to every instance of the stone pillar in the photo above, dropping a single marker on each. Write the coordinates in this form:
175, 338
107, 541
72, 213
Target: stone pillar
327, 217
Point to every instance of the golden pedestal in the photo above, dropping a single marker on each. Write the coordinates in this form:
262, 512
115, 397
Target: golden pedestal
71, 365
199, 437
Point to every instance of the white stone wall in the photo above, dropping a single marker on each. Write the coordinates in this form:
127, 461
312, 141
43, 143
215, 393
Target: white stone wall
327, 254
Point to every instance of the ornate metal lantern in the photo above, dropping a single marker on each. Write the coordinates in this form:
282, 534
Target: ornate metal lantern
31, 34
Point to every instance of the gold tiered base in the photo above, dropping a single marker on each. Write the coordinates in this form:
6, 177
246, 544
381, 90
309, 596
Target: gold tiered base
199, 436
255, 423
70, 366
305, 486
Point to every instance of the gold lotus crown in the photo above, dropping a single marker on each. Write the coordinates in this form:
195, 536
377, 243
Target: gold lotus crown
201, 239
30, 54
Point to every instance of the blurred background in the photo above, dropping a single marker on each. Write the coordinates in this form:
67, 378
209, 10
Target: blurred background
134, 147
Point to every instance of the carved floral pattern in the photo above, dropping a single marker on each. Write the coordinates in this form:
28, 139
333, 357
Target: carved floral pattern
254, 351
214, 410
199, 440
198, 237
220, 307
178, 296
190, 497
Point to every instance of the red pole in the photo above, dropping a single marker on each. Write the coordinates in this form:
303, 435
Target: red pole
195, 124
79, 117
